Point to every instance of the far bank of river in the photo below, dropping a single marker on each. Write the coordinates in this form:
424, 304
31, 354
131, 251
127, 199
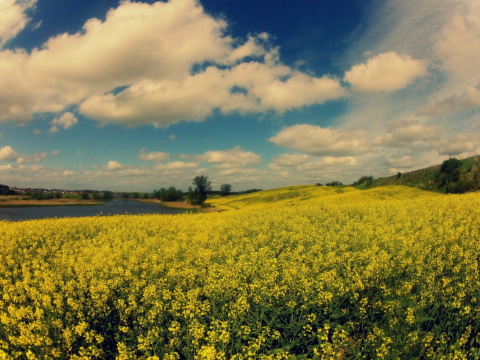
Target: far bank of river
113, 207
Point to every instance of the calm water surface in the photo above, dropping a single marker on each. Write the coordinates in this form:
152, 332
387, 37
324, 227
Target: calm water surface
115, 207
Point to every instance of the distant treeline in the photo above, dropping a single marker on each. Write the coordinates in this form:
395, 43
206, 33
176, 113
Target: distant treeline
5, 190
170, 194
173, 194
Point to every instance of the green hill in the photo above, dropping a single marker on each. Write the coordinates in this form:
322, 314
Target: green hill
466, 178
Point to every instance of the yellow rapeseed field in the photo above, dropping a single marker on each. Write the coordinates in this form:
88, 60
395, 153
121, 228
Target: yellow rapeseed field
295, 273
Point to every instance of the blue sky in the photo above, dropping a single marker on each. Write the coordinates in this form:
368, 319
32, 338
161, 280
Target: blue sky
134, 96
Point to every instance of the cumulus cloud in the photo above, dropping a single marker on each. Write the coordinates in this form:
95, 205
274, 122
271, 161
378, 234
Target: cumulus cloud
176, 165
328, 161
458, 44
403, 162
7, 153
32, 158
315, 140
65, 121
385, 72
289, 160
457, 145
467, 101
7, 167
113, 165
404, 132
241, 174
194, 97
153, 156
162, 77
232, 158
13, 18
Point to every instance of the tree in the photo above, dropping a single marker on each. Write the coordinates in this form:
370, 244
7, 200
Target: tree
370, 180
5, 190
107, 195
170, 194
450, 172
225, 189
85, 195
202, 185
48, 196
367, 179
334, 183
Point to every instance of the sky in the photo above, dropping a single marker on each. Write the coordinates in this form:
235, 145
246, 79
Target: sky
139, 95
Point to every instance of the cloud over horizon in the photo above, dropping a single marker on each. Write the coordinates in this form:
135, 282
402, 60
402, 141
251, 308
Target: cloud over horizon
315, 140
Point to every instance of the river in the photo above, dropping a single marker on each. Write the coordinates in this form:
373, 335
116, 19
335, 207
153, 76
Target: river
114, 207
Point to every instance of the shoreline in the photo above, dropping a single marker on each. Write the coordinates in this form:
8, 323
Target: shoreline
18, 202
180, 205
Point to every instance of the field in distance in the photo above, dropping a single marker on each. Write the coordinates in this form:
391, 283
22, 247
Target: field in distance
293, 273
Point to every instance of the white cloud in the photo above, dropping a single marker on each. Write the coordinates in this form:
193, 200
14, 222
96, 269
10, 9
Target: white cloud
289, 160
53, 130
404, 162
385, 72
176, 165
232, 158
242, 174
13, 18
7, 153
153, 156
467, 101
315, 140
65, 121
456, 145
403, 133
113, 165
458, 44
68, 173
37, 132
194, 97
32, 158
328, 161
163, 47
55, 152
7, 167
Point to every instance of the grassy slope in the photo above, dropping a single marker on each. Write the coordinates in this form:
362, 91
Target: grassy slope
424, 179
427, 179
291, 195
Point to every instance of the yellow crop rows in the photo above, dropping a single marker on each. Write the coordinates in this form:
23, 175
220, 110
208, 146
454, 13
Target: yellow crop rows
389, 273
